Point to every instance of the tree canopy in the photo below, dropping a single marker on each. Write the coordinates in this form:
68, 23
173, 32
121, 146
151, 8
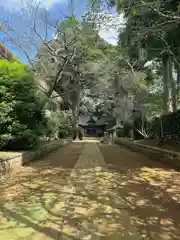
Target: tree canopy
95, 76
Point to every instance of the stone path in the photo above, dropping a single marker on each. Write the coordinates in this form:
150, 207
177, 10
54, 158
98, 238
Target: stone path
84, 208
87, 190
150, 189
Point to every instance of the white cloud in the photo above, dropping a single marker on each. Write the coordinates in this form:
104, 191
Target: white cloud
110, 36
14, 5
108, 30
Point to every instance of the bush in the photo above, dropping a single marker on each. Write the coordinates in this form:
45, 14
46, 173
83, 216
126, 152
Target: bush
53, 122
65, 127
80, 133
74, 135
22, 120
63, 133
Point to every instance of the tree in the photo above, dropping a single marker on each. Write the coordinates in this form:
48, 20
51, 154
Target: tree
77, 61
22, 121
152, 27
78, 44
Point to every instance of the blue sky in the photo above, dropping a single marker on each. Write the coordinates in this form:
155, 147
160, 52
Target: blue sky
18, 15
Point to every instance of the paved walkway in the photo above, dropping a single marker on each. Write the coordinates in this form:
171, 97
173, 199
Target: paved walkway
89, 191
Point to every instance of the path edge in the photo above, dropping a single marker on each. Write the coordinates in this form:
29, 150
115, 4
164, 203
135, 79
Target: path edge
15, 162
163, 155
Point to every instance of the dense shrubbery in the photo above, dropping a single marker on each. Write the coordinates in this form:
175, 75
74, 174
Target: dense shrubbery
64, 132
65, 126
26, 115
53, 122
80, 133
168, 124
58, 125
158, 128
22, 121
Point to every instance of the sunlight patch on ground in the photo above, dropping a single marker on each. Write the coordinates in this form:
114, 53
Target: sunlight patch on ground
9, 154
85, 206
155, 174
88, 140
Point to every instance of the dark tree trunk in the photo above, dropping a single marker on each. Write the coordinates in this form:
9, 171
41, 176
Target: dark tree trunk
172, 85
165, 66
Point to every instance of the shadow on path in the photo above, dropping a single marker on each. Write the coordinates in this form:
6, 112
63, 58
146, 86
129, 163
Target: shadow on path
150, 189
126, 197
24, 195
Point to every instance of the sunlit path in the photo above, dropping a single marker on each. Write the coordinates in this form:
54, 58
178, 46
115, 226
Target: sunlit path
27, 198
84, 209
150, 189
90, 140
89, 190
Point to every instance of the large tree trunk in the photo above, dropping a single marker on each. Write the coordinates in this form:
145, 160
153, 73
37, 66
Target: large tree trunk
178, 85
75, 112
165, 64
123, 103
178, 82
177, 68
75, 107
173, 92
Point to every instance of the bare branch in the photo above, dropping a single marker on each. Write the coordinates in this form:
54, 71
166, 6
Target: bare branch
39, 35
168, 16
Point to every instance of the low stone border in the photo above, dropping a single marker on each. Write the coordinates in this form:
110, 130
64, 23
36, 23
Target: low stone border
163, 155
15, 162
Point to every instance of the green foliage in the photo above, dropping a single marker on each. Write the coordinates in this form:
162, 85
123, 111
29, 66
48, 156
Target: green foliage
116, 75
53, 123
85, 53
74, 134
58, 125
80, 133
21, 116
64, 132
166, 125
65, 125
70, 22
